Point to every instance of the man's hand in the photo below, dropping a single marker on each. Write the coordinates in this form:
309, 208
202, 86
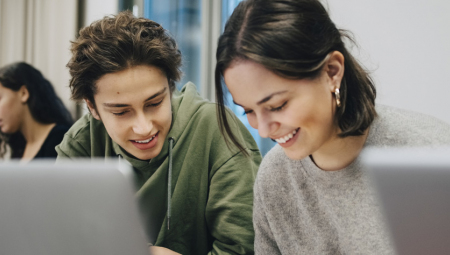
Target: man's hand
157, 250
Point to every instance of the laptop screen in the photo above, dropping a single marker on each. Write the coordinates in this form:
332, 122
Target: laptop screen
413, 186
74, 207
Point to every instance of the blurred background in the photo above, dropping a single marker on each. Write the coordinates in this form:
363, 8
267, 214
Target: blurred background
405, 44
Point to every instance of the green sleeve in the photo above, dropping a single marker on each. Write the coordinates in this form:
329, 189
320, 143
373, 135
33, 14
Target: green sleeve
230, 205
71, 148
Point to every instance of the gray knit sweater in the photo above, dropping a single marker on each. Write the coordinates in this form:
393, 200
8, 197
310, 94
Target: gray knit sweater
301, 209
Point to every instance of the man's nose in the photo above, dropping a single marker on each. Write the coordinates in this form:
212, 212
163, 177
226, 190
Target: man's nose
142, 125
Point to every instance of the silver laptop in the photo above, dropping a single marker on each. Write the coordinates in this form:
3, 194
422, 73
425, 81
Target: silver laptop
414, 188
74, 207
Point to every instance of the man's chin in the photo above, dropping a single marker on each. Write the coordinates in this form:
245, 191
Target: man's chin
146, 154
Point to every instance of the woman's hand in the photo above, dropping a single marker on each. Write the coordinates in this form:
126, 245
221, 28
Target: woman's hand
157, 250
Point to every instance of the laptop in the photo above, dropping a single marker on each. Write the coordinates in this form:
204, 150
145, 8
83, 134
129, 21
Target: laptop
73, 207
413, 186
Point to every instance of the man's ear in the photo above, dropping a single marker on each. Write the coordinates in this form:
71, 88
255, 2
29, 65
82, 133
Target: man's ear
92, 109
335, 69
24, 94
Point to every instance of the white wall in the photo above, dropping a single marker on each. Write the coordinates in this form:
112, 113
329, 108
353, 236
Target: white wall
39, 33
97, 9
407, 46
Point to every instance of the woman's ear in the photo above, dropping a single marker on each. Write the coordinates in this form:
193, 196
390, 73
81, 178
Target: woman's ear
334, 68
92, 109
24, 94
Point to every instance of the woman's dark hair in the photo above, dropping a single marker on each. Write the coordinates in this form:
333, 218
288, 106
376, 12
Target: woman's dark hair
116, 43
45, 106
292, 38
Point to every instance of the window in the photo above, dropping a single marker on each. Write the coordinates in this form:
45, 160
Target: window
264, 144
183, 20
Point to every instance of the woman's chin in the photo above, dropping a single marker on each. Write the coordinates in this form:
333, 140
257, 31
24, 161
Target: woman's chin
295, 154
7, 131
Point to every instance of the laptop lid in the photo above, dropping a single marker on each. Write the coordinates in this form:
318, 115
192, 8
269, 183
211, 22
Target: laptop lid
73, 207
413, 186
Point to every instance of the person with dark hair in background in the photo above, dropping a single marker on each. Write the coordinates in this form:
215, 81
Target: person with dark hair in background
285, 63
33, 119
195, 192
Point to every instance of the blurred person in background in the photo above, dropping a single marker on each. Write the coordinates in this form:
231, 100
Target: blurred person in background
33, 119
195, 192
286, 64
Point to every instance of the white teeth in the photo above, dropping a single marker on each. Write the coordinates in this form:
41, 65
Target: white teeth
145, 141
287, 137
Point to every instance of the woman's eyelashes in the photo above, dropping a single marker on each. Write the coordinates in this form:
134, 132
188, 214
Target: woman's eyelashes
272, 109
149, 105
279, 108
247, 112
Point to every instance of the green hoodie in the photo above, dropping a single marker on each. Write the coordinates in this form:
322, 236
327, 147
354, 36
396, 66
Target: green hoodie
211, 188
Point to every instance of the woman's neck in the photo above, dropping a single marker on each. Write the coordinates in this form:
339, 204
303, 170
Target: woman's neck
35, 134
339, 153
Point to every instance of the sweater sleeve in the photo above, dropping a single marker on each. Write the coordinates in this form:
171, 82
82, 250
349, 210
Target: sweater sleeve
230, 203
71, 148
264, 240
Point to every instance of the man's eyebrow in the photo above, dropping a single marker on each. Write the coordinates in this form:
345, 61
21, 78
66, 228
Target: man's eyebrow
156, 94
126, 105
267, 98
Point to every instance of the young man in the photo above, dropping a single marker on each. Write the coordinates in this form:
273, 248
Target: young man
125, 69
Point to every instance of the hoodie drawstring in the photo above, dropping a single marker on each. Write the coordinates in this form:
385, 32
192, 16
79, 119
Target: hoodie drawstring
169, 188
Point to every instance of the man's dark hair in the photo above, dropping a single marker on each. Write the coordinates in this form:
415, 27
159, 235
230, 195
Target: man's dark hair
116, 43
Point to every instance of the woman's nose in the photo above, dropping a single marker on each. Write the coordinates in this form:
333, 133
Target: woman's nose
266, 125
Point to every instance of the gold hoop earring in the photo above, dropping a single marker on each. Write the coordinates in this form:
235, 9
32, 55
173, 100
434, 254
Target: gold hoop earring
338, 97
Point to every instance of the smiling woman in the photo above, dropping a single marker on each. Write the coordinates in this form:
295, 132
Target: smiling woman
195, 192
273, 107
286, 64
